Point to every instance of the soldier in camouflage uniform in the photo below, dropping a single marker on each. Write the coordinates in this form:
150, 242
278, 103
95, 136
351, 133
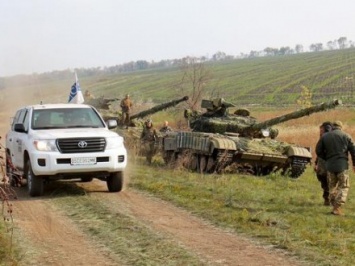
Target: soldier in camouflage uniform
334, 147
126, 105
149, 137
319, 165
166, 128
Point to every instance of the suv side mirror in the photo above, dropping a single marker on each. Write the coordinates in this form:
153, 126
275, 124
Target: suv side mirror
19, 127
111, 123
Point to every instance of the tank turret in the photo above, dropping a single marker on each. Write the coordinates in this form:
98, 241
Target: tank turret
245, 125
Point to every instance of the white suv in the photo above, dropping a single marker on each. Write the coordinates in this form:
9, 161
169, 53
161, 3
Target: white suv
64, 141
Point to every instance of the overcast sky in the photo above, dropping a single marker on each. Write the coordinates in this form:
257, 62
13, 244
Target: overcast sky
45, 35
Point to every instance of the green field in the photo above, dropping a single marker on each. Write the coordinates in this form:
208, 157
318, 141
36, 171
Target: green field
272, 80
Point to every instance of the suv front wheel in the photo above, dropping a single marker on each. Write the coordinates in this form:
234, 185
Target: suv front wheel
34, 183
115, 182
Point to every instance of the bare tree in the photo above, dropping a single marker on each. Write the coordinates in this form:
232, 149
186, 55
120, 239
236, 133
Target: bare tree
331, 45
316, 47
194, 79
299, 48
342, 41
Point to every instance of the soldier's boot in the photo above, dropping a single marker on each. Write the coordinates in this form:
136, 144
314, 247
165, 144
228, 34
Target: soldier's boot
337, 211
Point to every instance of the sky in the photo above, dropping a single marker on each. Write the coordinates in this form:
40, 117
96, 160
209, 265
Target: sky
44, 35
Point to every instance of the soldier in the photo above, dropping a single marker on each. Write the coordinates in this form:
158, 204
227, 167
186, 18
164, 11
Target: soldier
166, 127
319, 165
126, 105
88, 95
149, 136
334, 147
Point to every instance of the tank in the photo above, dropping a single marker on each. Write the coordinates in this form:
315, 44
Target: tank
133, 130
219, 142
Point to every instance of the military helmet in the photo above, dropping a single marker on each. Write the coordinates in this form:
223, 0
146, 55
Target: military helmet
338, 124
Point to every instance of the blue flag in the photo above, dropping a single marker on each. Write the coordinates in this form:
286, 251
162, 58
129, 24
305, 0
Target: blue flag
76, 96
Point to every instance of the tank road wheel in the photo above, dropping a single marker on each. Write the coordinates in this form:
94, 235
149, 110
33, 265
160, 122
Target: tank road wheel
115, 182
34, 183
169, 157
211, 164
193, 164
203, 163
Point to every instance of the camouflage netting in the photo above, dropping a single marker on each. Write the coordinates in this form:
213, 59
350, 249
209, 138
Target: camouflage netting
268, 146
222, 124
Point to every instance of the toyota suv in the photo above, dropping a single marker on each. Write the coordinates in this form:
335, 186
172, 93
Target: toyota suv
64, 141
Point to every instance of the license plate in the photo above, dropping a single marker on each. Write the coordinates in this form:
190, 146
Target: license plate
83, 160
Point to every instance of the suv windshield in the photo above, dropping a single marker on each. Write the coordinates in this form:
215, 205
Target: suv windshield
65, 118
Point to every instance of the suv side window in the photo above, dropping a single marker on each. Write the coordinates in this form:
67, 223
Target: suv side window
15, 119
21, 117
26, 120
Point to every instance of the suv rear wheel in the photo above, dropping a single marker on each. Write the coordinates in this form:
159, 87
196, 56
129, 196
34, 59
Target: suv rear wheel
115, 182
34, 183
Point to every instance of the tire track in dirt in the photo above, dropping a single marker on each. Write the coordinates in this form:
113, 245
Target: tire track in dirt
48, 237
211, 244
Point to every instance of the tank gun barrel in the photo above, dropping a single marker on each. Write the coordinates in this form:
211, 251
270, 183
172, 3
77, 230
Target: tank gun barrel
297, 114
101, 102
159, 107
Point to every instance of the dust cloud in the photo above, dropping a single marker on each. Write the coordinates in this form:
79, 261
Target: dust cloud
11, 100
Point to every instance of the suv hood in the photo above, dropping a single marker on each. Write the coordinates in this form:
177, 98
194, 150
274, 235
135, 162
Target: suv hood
73, 133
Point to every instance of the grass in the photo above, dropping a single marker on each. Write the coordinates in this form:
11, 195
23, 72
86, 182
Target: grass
8, 250
276, 210
129, 240
7, 255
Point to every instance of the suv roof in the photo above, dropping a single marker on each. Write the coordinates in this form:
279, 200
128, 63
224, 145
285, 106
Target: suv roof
58, 105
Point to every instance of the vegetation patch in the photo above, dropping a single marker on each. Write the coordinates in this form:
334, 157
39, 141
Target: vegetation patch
284, 212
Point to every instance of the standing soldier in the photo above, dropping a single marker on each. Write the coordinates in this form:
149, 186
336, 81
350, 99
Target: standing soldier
88, 95
319, 166
166, 128
149, 136
334, 147
126, 105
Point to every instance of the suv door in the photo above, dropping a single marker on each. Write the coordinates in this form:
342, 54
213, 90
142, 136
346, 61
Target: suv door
18, 138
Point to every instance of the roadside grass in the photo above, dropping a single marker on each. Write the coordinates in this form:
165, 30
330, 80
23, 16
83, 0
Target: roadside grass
7, 255
276, 210
129, 240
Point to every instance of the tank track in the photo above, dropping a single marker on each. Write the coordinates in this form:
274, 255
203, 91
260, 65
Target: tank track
298, 166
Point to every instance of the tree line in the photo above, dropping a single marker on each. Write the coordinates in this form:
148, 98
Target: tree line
340, 43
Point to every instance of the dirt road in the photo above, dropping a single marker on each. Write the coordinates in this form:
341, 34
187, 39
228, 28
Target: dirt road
49, 237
